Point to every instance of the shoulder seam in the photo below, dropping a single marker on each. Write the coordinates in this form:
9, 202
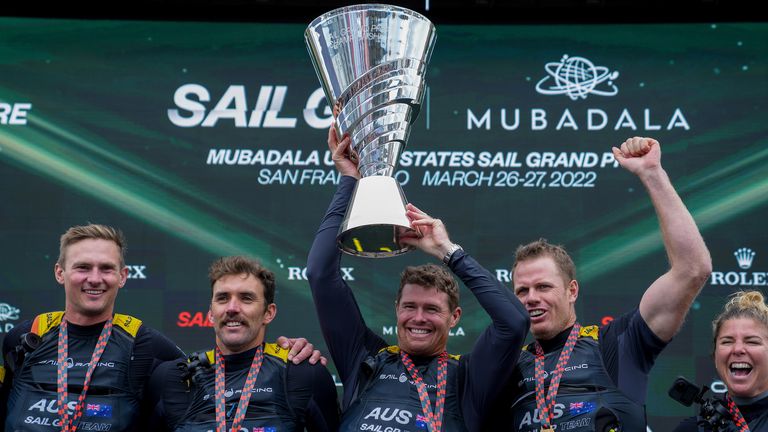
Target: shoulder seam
128, 323
590, 331
44, 322
275, 350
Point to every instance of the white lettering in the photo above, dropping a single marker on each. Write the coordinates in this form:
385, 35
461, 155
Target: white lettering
473, 121
503, 275
678, 120
596, 119
567, 121
648, 125
272, 119
14, 114
591, 125
300, 273
538, 119
314, 102
504, 120
625, 120
180, 98
235, 94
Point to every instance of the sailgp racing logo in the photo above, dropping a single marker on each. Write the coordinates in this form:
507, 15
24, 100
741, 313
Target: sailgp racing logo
8, 312
745, 258
577, 78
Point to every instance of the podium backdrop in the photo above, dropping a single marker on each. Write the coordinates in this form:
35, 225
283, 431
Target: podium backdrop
202, 139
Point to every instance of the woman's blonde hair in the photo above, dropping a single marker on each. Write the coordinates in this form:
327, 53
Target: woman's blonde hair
743, 304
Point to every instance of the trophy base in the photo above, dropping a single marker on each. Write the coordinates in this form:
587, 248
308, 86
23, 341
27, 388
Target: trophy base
375, 219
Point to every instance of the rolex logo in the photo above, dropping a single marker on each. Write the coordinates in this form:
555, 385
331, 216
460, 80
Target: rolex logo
744, 257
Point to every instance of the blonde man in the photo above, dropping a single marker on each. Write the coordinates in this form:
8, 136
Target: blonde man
91, 365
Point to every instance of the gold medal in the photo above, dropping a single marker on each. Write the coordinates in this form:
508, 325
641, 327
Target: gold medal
547, 429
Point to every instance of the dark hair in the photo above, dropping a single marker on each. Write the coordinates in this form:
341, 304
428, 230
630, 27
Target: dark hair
238, 265
430, 275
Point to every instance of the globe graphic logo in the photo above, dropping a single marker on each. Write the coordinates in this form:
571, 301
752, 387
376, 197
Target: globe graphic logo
577, 78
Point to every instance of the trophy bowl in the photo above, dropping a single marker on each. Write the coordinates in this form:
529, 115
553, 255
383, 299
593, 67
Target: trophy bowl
371, 60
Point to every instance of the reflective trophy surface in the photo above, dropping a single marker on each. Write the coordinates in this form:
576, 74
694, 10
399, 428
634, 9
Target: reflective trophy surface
371, 60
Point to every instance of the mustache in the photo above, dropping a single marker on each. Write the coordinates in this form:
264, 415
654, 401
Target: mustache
221, 322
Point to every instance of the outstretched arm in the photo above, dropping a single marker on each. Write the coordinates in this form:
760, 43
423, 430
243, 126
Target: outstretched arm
666, 302
341, 322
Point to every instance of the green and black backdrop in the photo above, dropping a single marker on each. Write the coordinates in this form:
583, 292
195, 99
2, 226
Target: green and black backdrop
206, 139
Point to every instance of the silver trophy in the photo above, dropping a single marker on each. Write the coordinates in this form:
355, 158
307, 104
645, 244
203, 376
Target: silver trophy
371, 60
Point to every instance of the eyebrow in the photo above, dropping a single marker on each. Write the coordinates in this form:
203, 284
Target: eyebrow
237, 293
90, 263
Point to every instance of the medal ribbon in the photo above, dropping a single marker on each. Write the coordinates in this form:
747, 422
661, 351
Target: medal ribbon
434, 419
245, 396
70, 424
736, 415
546, 406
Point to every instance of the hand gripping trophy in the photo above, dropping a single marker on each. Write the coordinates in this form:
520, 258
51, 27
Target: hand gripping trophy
371, 60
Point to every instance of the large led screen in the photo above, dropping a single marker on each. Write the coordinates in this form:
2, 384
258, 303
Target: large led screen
206, 139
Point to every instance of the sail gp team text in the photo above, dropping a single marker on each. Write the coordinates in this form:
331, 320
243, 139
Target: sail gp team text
430, 168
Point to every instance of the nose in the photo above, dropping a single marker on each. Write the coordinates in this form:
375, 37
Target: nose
94, 276
531, 297
233, 306
418, 315
739, 347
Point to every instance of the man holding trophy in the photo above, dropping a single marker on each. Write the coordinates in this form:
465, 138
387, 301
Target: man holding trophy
371, 61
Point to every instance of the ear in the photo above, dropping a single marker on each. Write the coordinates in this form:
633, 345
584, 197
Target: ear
58, 273
210, 316
270, 313
123, 276
455, 316
573, 290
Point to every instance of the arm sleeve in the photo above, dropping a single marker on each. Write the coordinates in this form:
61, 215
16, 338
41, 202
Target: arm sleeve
312, 395
150, 349
490, 364
10, 341
342, 324
167, 397
629, 349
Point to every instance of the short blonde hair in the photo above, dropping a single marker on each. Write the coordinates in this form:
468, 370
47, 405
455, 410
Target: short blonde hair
542, 248
743, 304
91, 231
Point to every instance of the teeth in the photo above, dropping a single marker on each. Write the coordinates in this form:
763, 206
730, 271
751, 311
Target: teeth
233, 324
94, 292
740, 369
419, 331
535, 312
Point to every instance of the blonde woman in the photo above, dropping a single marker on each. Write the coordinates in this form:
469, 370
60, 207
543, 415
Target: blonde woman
741, 359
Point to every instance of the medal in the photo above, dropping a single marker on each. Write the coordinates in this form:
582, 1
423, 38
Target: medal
546, 403
434, 418
245, 395
69, 424
741, 424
